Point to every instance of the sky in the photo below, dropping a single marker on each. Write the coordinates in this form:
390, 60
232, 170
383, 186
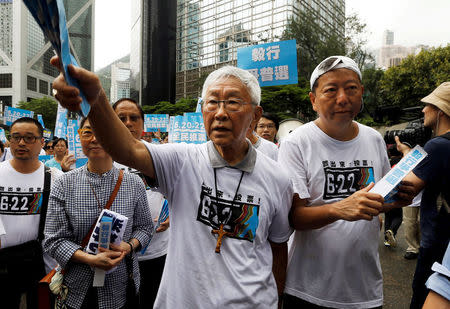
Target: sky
413, 22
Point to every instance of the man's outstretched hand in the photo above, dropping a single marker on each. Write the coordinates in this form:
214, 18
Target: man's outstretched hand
69, 96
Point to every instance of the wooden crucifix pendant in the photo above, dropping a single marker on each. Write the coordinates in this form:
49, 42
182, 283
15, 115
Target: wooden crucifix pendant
221, 233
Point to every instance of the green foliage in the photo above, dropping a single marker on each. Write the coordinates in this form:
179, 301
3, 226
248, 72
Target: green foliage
181, 106
366, 119
355, 40
289, 101
371, 80
313, 46
45, 106
416, 77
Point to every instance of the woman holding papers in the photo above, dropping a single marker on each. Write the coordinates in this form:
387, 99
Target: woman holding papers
75, 204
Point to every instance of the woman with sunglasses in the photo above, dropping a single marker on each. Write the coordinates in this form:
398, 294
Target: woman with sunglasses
76, 202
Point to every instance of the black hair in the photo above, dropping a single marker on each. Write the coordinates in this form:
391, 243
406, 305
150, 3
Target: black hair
116, 104
272, 117
60, 139
83, 120
2, 147
29, 120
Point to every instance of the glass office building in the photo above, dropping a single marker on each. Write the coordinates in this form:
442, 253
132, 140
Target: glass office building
25, 71
210, 32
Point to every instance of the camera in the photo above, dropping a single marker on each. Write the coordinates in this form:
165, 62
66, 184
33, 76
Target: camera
414, 134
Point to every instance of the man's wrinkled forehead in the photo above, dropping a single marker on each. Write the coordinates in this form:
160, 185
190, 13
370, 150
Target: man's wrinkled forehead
331, 78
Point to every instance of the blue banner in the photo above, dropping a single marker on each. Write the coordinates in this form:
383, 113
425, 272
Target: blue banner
73, 139
11, 114
61, 122
271, 63
188, 128
2, 135
153, 122
41, 120
48, 135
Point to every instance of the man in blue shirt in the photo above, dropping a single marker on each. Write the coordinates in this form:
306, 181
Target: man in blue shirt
433, 176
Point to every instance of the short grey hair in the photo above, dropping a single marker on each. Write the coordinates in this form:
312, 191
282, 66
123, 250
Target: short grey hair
246, 78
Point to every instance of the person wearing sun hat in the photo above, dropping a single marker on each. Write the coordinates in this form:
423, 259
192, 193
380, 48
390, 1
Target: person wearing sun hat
433, 176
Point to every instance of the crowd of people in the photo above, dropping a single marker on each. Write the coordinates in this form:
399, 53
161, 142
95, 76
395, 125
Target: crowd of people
234, 203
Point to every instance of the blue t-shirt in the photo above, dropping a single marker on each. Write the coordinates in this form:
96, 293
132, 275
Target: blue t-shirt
435, 171
53, 163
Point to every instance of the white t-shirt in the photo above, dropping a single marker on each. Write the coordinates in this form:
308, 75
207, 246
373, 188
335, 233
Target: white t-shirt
20, 202
195, 276
267, 148
158, 244
337, 265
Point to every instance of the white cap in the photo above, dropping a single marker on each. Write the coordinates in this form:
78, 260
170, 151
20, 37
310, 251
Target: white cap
333, 63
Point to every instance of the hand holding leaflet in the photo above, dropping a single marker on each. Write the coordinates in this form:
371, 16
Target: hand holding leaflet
387, 186
103, 242
51, 17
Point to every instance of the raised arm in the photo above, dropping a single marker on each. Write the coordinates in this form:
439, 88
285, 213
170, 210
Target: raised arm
112, 134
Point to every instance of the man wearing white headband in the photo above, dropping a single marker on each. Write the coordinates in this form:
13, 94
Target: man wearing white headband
334, 161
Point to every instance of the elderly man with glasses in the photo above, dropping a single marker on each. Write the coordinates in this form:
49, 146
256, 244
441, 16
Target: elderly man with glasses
229, 204
334, 162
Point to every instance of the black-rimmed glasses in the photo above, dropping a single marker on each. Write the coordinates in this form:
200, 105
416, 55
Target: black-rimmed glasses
29, 139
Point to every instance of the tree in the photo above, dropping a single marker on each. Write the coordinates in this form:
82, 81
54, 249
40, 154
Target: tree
355, 41
415, 77
289, 101
45, 106
371, 77
314, 45
181, 106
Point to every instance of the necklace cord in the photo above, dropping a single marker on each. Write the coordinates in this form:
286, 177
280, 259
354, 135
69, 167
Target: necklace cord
235, 194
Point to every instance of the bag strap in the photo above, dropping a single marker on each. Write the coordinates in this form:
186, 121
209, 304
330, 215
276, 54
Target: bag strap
108, 205
45, 196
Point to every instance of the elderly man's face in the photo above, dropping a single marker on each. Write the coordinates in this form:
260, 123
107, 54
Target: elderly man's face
338, 96
227, 128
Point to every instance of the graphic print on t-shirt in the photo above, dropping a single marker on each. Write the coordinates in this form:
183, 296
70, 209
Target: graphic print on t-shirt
240, 218
14, 201
342, 181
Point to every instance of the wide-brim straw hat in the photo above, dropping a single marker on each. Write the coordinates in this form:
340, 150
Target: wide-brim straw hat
440, 97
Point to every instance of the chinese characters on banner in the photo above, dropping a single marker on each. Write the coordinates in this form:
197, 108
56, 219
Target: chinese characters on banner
61, 122
153, 122
11, 114
188, 128
74, 143
271, 63
40, 119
